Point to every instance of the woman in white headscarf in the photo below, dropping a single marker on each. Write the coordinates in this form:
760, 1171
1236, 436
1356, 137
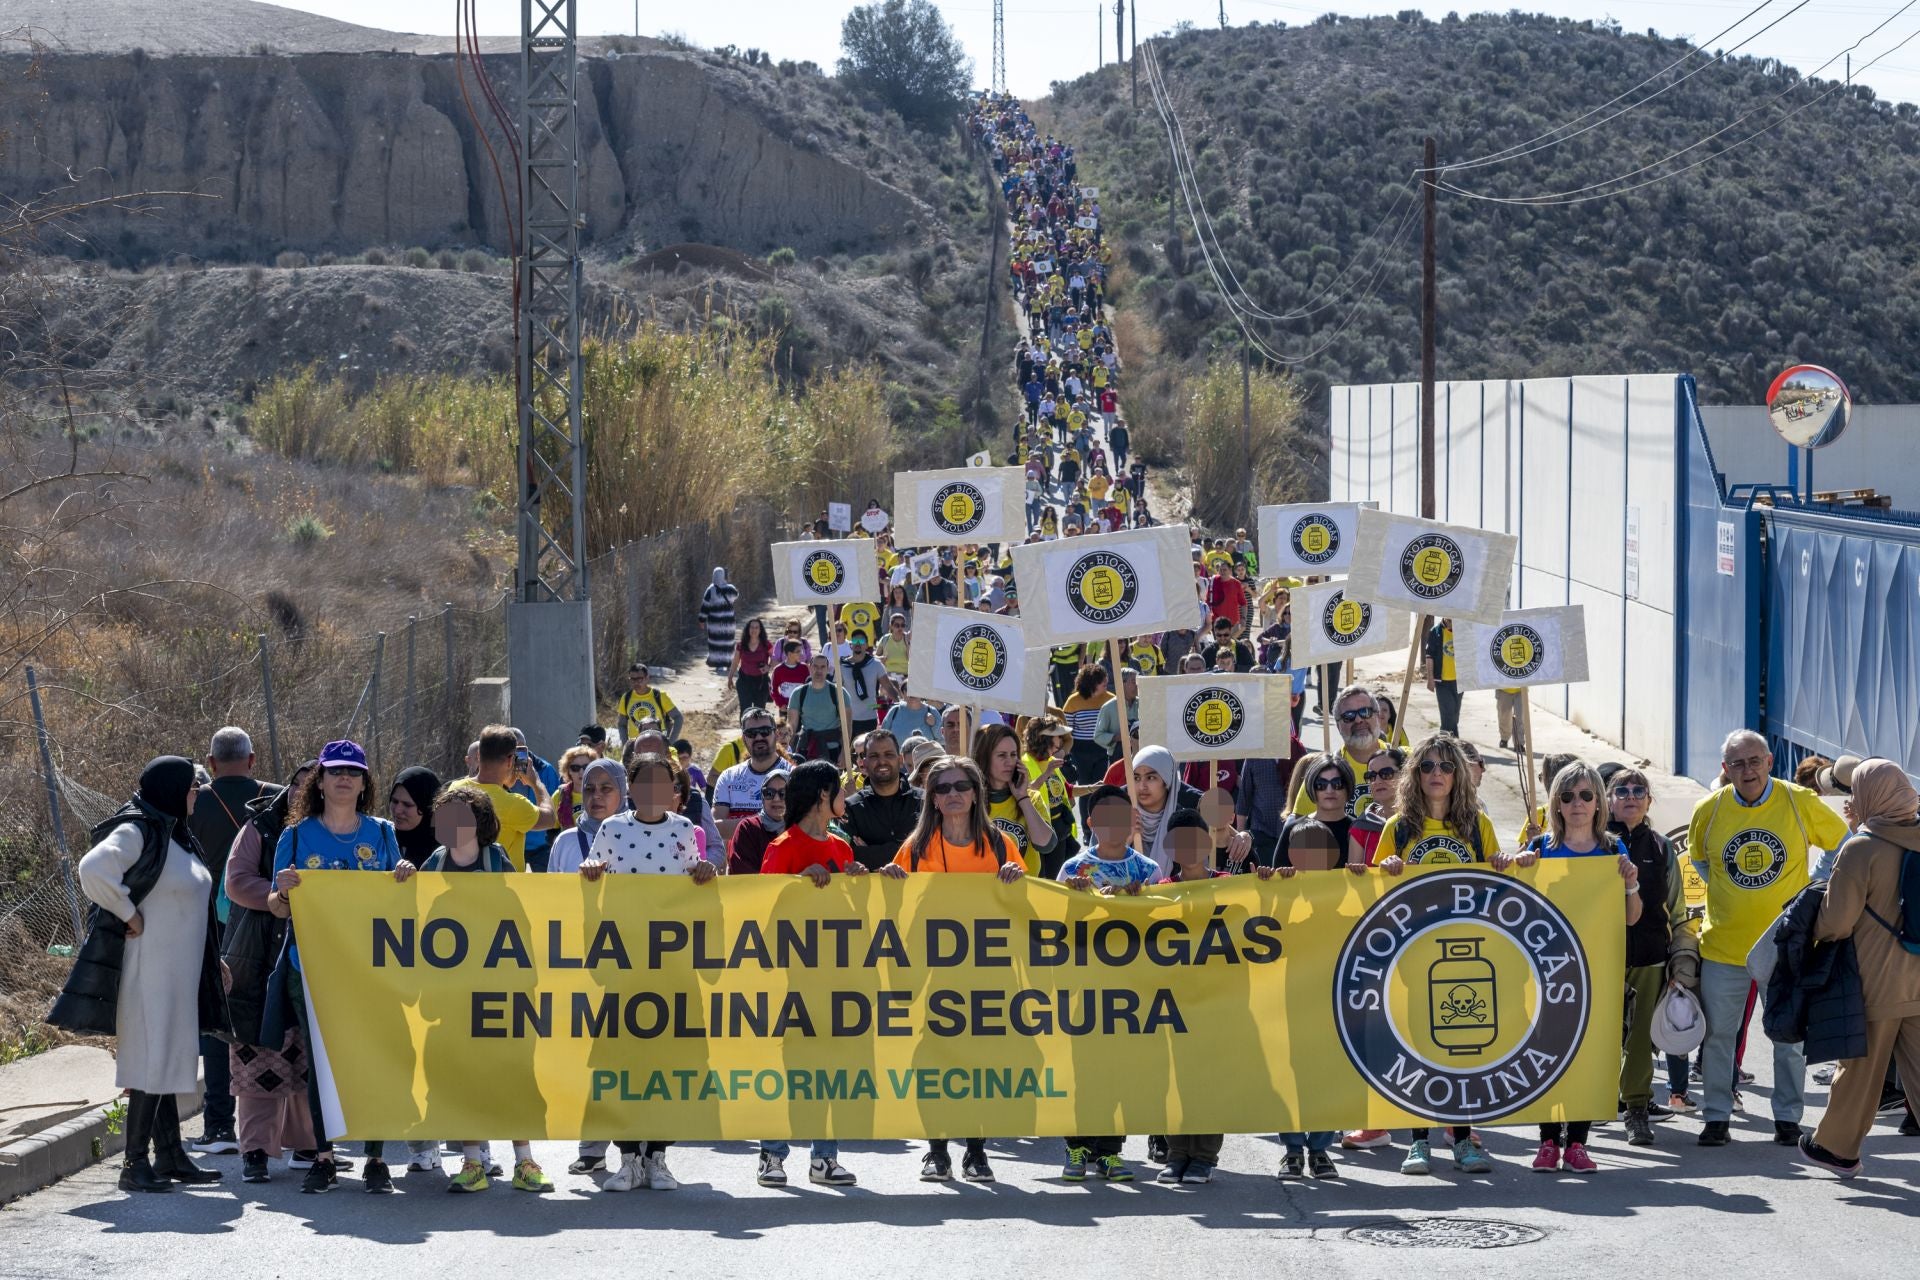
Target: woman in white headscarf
1158, 794
716, 612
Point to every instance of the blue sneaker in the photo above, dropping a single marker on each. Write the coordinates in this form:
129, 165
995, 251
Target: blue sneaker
1075, 1170
1419, 1158
1469, 1159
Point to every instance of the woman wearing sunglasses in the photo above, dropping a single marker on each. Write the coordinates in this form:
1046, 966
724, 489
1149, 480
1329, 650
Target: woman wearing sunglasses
1381, 781
1576, 828
1439, 823
1662, 947
955, 834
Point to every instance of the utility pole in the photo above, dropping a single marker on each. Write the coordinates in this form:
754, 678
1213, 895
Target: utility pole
1246, 419
1099, 36
1223, 15
999, 46
550, 620
1133, 52
1429, 306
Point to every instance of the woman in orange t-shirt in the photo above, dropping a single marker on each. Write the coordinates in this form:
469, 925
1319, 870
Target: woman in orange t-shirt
954, 834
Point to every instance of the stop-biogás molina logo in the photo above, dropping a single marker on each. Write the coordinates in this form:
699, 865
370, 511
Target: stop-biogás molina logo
1102, 587
1430, 566
1462, 997
978, 656
1315, 539
824, 572
958, 507
1213, 716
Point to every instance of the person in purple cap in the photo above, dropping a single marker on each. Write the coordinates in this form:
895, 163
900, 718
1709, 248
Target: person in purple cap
329, 829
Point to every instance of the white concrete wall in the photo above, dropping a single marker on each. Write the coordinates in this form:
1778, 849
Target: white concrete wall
1877, 452
1560, 462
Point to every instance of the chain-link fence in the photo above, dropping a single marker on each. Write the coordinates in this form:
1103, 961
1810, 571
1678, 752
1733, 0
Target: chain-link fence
404, 694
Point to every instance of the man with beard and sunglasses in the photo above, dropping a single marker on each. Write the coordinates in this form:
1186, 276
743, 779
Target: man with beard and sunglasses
736, 792
1357, 718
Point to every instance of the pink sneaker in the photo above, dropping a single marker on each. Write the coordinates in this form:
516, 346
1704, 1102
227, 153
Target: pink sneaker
1577, 1159
1548, 1160
1365, 1139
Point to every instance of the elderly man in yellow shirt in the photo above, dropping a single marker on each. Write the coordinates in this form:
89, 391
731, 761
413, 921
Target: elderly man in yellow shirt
1751, 840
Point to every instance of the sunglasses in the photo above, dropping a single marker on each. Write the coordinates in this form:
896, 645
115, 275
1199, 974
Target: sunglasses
1630, 791
773, 793
962, 787
1358, 713
1381, 775
1329, 784
756, 733
1583, 796
576, 768
341, 771
1442, 766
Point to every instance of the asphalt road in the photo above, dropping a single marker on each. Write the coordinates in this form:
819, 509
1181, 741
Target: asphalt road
1746, 1210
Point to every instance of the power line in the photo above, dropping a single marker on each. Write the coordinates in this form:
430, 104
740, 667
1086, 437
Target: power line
1190, 189
1241, 314
1547, 139
1591, 191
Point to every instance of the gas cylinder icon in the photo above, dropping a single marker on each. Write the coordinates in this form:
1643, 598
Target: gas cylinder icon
1461, 1007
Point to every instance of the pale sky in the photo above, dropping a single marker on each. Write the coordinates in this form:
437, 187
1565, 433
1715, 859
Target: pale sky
1055, 39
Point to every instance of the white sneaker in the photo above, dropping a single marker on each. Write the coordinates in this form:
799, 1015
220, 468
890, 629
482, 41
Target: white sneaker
630, 1176
773, 1170
829, 1173
657, 1176
426, 1162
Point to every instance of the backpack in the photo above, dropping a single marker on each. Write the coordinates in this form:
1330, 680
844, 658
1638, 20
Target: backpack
1907, 932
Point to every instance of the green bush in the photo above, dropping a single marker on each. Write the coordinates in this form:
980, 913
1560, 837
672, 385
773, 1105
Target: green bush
307, 531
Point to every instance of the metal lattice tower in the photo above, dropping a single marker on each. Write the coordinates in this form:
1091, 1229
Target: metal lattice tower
999, 46
552, 460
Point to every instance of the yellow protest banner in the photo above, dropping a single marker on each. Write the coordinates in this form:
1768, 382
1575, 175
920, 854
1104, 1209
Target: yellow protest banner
531, 1006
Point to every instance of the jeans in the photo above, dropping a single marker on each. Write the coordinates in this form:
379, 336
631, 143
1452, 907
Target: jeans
1318, 1140
823, 1148
1723, 994
1447, 694
1677, 1064
219, 1114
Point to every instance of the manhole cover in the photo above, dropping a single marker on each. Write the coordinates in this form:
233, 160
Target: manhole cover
1446, 1233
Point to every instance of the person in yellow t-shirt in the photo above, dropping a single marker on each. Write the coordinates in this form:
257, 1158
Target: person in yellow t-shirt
1438, 820
1752, 841
1097, 486
502, 766
1441, 675
642, 701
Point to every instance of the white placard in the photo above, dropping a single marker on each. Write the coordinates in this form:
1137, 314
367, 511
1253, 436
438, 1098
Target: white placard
979, 659
980, 459
1218, 717
924, 567
874, 520
1107, 585
840, 517
1525, 647
1426, 567
962, 505
827, 571
1328, 627
1310, 539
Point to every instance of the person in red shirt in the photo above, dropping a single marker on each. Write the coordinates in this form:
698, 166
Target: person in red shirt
1227, 598
807, 847
789, 674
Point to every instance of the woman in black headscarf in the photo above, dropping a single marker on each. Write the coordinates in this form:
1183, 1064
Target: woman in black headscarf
149, 971
410, 804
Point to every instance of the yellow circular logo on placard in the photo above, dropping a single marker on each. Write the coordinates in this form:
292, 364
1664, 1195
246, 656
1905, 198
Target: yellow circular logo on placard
1315, 539
1518, 650
1101, 587
824, 572
1213, 716
1430, 565
979, 656
1348, 617
958, 508
1345, 621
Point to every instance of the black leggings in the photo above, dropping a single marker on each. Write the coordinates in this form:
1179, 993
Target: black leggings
1576, 1131
1460, 1132
642, 1148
